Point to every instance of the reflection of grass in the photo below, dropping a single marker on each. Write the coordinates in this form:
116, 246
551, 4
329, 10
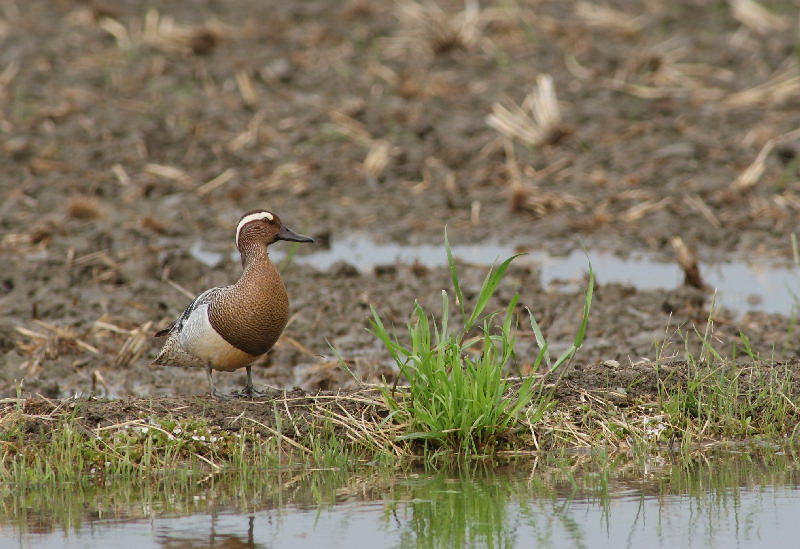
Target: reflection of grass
469, 509
49, 507
473, 503
459, 396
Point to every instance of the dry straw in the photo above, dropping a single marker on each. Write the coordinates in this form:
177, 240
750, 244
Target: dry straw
163, 33
426, 30
756, 17
536, 122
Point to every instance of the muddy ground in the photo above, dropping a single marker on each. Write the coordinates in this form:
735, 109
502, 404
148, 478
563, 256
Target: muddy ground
129, 136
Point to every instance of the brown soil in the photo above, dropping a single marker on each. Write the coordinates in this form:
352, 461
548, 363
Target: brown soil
127, 136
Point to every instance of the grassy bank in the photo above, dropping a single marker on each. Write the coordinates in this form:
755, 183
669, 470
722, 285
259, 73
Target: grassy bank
693, 408
461, 399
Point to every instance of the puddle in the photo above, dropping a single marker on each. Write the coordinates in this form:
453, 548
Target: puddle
742, 501
741, 286
205, 256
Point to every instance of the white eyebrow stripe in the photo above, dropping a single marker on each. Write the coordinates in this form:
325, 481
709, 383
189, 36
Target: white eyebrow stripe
247, 219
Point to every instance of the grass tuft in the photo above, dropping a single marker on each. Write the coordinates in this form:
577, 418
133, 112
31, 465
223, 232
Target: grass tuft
459, 397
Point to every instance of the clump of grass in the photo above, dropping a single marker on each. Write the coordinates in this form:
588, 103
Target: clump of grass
459, 396
718, 398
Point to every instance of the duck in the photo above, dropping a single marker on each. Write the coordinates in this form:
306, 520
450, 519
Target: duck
227, 328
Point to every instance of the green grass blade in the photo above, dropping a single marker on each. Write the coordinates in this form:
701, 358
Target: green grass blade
563, 357
454, 276
379, 330
342, 364
487, 289
445, 313
587, 305
421, 435
509, 315
539, 357
707, 346
540, 341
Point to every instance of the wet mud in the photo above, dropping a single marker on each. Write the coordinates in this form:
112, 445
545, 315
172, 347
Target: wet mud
132, 140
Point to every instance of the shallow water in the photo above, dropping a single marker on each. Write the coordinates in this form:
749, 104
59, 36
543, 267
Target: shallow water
741, 286
712, 501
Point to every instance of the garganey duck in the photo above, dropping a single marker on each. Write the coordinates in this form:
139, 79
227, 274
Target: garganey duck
230, 327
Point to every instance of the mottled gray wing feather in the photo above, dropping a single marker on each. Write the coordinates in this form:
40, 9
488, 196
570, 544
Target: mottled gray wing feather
203, 298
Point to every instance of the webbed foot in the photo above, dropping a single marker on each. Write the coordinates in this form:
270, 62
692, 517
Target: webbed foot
249, 390
222, 397
216, 395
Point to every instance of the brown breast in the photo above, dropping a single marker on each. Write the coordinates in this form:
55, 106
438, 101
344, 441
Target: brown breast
252, 313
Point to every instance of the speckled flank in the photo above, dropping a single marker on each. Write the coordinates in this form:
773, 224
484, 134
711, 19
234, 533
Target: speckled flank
172, 354
200, 339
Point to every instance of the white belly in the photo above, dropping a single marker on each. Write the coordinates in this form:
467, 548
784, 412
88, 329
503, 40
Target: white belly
199, 338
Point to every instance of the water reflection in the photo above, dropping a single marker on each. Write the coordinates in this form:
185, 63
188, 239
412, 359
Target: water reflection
747, 499
227, 531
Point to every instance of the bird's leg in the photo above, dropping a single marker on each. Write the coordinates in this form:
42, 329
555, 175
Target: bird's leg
250, 389
214, 393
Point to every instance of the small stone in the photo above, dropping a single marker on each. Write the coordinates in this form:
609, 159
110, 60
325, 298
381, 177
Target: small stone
344, 269
387, 269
